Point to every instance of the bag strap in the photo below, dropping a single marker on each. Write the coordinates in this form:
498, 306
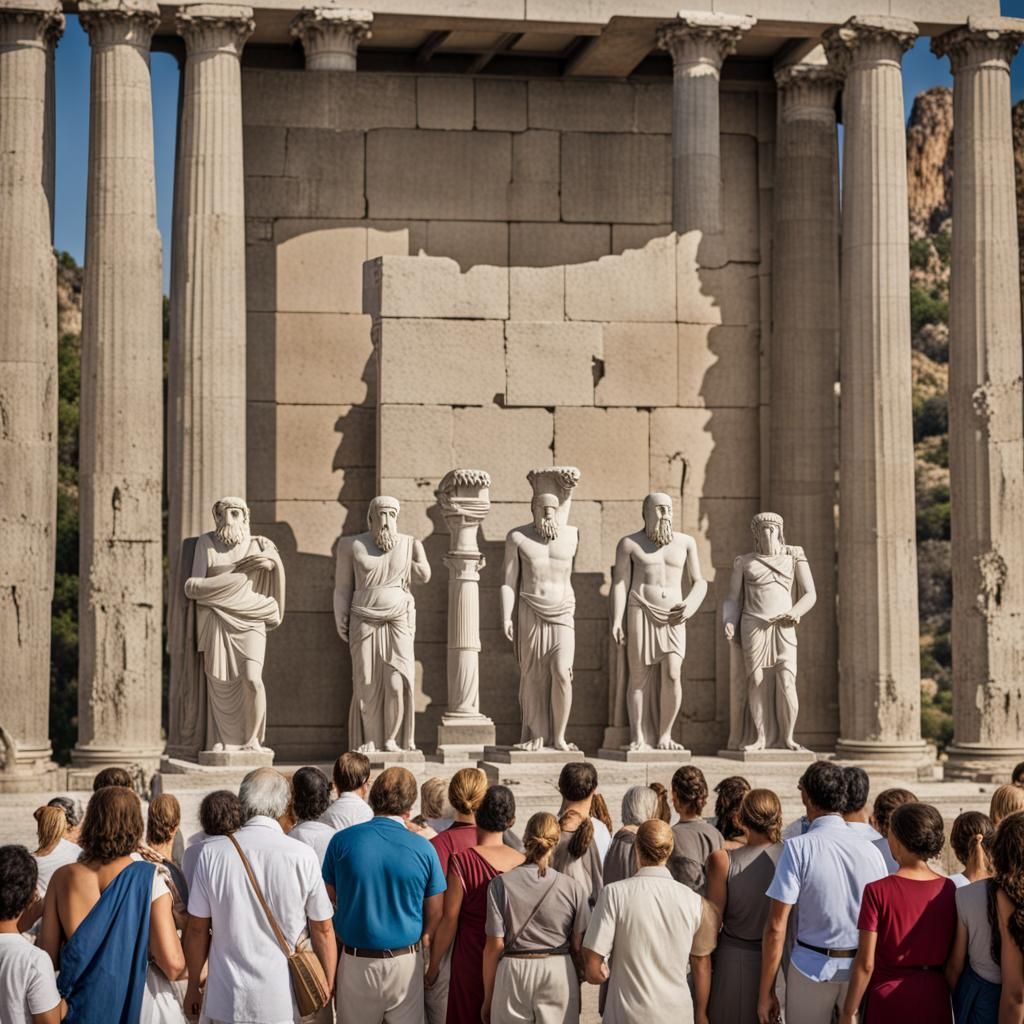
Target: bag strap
278, 934
522, 928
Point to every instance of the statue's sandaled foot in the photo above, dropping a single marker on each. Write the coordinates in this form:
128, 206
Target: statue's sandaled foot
217, 747
638, 745
793, 745
537, 743
391, 746
367, 748
667, 743
758, 744
411, 746
564, 745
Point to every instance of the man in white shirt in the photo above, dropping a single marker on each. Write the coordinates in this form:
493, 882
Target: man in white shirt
352, 781
248, 976
822, 873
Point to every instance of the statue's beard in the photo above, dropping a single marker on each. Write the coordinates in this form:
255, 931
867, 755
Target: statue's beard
232, 535
548, 529
661, 532
771, 547
384, 538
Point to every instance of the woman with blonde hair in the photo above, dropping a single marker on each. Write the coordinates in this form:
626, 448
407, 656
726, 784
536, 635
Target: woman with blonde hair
738, 879
536, 918
1006, 800
53, 850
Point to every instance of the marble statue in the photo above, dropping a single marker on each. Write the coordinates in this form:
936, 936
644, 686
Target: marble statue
538, 578
237, 585
649, 614
376, 615
760, 615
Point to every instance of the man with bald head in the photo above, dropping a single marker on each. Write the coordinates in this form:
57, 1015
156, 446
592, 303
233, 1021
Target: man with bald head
649, 613
375, 614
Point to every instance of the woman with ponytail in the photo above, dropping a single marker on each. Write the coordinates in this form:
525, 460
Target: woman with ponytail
578, 853
1008, 911
536, 919
53, 851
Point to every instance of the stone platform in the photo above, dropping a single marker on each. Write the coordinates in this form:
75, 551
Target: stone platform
547, 755
759, 757
676, 757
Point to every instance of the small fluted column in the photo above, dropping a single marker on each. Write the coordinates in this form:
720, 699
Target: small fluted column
331, 36
121, 461
464, 498
28, 395
699, 42
879, 653
986, 425
803, 433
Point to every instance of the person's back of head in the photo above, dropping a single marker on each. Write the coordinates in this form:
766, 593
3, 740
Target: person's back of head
729, 795
72, 809
970, 830
654, 844
886, 802
858, 785
1008, 877
918, 828
393, 792
19, 875
466, 791
639, 804
690, 789
220, 813
540, 838
433, 798
351, 772
51, 824
113, 777
761, 811
264, 793
664, 811
1006, 800
162, 819
112, 826
311, 793
1018, 774
824, 785
497, 812
577, 780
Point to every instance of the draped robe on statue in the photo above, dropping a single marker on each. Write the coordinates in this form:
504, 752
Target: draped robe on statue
545, 627
382, 626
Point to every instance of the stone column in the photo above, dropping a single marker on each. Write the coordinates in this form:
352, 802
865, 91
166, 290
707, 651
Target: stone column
28, 395
206, 414
121, 460
803, 421
464, 497
879, 668
986, 425
330, 36
699, 42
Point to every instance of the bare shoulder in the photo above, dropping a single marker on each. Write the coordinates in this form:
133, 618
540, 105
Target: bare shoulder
631, 542
685, 540
516, 535
719, 858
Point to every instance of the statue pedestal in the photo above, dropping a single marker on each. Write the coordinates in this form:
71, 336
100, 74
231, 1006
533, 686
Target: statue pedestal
546, 755
236, 758
463, 737
646, 756
773, 756
387, 758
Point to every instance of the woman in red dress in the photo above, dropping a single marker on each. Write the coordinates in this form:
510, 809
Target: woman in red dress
465, 906
907, 924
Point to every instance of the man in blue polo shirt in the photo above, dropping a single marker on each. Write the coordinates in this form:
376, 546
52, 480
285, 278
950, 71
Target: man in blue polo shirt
387, 887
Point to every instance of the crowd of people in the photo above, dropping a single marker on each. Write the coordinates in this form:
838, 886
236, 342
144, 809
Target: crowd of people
456, 916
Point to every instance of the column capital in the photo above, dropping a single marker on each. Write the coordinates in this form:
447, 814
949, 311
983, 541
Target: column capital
215, 28
812, 86
702, 38
330, 36
868, 39
124, 22
30, 25
982, 42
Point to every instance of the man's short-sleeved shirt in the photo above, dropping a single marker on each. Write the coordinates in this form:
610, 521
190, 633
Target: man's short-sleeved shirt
823, 873
349, 809
381, 873
27, 983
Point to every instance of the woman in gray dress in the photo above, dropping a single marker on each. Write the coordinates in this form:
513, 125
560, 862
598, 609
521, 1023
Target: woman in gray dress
639, 804
737, 882
536, 919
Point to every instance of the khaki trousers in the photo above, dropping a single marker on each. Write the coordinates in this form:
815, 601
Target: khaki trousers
436, 997
387, 991
813, 1002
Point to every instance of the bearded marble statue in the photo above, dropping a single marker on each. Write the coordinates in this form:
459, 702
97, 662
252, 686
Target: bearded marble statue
375, 615
237, 585
771, 589
649, 614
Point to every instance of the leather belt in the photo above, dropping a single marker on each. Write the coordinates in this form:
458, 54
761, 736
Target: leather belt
379, 954
834, 954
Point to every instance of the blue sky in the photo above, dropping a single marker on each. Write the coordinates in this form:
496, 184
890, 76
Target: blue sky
921, 71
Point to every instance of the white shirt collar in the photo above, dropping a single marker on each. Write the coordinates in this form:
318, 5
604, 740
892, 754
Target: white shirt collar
351, 794
827, 821
653, 872
393, 817
262, 821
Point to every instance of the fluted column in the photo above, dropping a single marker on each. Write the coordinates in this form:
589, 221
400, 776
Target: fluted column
121, 447
28, 395
879, 667
699, 42
330, 36
986, 418
803, 433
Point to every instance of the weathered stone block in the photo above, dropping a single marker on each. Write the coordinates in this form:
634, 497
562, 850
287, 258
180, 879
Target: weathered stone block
547, 245
718, 365
654, 108
320, 270
536, 293
636, 236
263, 148
639, 365
443, 102
551, 363
721, 295
740, 197
608, 445
624, 178
737, 113
534, 191
469, 242
285, 99
586, 517
417, 286
438, 175
581, 106
415, 441
638, 285
438, 362
500, 106
308, 197
508, 443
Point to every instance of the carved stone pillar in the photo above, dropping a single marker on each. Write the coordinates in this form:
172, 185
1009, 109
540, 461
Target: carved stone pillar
803, 421
986, 418
28, 397
699, 42
330, 36
464, 497
879, 666
121, 463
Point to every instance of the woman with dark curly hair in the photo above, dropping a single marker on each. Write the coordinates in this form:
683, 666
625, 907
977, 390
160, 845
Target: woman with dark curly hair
108, 915
311, 796
695, 838
729, 794
1007, 913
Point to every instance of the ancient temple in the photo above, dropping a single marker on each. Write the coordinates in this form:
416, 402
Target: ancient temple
504, 234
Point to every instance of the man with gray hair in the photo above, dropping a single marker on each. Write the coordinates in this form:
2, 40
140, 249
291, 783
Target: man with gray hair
248, 977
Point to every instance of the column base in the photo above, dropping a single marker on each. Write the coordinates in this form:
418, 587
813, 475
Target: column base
915, 759
463, 738
31, 773
982, 763
92, 757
